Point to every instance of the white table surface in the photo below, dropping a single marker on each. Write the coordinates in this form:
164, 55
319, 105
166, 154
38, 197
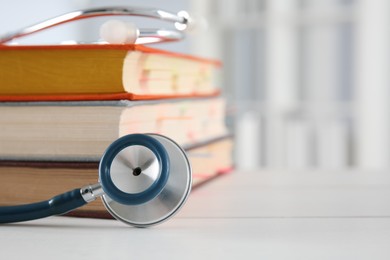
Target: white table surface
262, 215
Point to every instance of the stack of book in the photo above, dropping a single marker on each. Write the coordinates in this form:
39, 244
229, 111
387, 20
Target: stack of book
61, 107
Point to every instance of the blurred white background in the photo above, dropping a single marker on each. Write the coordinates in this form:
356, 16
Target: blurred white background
307, 81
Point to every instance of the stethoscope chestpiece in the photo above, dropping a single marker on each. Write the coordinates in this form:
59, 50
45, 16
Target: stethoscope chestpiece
146, 179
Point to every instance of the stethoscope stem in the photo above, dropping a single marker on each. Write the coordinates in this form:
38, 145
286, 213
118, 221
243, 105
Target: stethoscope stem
91, 192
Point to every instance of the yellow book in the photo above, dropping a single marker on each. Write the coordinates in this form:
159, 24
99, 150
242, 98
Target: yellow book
101, 72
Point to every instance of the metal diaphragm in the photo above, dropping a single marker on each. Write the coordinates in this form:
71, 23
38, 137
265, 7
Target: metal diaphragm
142, 170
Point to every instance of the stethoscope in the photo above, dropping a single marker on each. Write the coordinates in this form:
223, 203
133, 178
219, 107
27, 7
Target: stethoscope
144, 179
117, 32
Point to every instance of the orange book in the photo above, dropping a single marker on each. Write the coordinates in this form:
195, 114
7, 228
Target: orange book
102, 72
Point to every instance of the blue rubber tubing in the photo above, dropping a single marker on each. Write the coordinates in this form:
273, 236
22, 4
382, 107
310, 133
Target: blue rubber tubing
58, 205
105, 169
